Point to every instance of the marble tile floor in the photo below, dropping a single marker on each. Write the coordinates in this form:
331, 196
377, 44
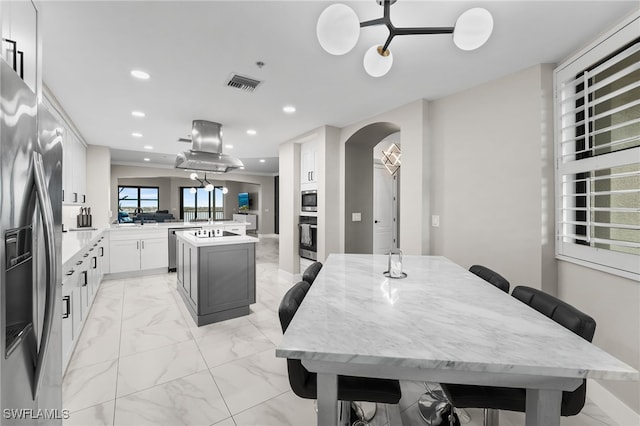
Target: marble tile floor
142, 361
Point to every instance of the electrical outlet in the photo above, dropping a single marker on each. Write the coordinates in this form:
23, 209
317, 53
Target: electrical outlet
435, 220
356, 217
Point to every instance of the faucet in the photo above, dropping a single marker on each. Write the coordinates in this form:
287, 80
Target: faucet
138, 211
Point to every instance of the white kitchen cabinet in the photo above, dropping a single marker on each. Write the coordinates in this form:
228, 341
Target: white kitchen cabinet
124, 255
74, 161
138, 250
74, 169
80, 283
19, 24
308, 165
154, 253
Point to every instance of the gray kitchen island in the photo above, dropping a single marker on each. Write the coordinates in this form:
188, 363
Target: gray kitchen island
216, 275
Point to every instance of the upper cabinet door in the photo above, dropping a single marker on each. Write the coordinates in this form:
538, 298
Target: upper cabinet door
308, 172
19, 24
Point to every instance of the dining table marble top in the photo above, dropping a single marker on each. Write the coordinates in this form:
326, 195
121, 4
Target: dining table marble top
440, 317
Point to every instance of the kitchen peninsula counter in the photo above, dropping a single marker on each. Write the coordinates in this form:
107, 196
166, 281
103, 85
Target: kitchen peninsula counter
216, 276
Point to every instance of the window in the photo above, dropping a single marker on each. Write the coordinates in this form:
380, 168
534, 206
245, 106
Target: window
201, 205
598, 156
131, 198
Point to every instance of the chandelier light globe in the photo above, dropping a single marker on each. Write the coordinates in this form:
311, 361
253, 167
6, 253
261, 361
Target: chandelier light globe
208, 187
473, 29
192, 190
377, 62
338, 29
225, 190
193, 176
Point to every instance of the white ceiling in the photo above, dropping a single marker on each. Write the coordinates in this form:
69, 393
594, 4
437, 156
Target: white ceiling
191, 48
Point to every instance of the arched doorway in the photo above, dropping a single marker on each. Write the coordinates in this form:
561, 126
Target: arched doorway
359, 173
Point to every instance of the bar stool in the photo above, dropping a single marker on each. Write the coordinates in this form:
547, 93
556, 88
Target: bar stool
304, 383
514, 399
434, 406
311, 272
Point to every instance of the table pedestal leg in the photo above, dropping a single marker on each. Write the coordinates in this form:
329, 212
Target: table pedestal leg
543, 407
327, 399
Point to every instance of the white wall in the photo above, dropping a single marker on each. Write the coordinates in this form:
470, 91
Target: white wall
98, 183
414, 185
614, 302
289, 208
492, 156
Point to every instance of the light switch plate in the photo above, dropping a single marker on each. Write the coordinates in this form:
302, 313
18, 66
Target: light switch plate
356, 217
435, 221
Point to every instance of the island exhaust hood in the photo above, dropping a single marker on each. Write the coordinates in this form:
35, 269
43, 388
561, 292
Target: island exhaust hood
206, 150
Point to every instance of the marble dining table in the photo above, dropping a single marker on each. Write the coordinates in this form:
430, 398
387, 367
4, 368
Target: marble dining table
442, 324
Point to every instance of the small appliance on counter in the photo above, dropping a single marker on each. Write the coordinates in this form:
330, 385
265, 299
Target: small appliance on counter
84, 218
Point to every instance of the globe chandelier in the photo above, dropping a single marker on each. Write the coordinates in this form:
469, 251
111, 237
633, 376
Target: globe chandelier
338, 30
204, 183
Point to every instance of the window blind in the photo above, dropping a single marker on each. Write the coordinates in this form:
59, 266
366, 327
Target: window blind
598, 156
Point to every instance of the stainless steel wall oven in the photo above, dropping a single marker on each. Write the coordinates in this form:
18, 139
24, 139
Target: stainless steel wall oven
308, 239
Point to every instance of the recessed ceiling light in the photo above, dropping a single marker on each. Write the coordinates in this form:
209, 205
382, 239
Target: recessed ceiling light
251, 132
136, 135
140, 74
228, 146
262, 160
289, 109
242, 168
147, 159
138, 114
148, 147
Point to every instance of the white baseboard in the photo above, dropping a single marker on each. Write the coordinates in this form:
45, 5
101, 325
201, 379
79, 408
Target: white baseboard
276, 236
619, 412
288, 276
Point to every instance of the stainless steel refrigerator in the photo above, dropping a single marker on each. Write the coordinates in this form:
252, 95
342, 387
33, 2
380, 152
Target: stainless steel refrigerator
30, 227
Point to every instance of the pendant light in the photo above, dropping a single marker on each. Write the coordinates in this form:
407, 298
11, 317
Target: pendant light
338, 31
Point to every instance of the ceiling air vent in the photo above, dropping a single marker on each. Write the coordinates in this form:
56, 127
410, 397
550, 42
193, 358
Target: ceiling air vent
241, 82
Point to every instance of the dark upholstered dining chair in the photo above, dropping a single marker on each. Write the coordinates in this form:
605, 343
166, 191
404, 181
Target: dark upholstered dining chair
434, 399
491, 277
309, 275
514, 399
304, 383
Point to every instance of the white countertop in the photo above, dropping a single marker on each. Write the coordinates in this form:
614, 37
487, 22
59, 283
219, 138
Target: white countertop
441, 317
190, 238
167, 225
74, 241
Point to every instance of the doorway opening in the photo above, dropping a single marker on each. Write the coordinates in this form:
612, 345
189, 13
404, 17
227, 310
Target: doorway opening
359, 186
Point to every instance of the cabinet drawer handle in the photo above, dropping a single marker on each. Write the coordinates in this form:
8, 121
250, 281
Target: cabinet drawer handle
137, 245
84, 277
101, 251
67, 305
142, 245
75, 197
95, 263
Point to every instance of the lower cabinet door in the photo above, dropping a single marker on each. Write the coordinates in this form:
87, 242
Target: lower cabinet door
67, 323
154, 253
124, 256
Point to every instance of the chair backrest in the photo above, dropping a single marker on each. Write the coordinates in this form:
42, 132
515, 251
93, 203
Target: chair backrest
291, 302
311, 272
559, 311
303, 383
491, 277
569, 317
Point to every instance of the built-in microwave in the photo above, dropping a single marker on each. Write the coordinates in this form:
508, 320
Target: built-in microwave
309, 201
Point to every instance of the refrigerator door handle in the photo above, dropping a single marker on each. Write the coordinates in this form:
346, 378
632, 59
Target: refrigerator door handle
51, 259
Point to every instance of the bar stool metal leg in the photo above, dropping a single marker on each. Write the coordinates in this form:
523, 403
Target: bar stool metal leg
491, 417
